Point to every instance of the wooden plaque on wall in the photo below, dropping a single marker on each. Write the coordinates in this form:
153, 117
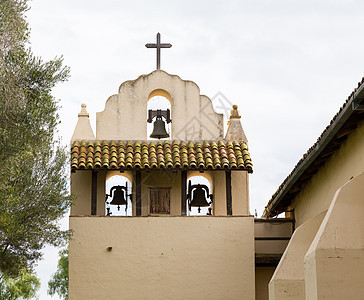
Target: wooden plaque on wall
159, 200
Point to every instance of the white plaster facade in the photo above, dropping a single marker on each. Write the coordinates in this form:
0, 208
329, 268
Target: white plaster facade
192, 114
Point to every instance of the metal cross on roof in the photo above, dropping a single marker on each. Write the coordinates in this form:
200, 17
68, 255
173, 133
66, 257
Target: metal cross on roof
158, 45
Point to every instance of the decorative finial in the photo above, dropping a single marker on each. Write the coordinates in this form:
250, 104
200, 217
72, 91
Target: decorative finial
234, 113
158, 46
83, 112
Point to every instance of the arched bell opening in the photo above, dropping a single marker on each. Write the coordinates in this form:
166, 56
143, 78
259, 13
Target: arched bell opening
159, 124
118, 198
199, 194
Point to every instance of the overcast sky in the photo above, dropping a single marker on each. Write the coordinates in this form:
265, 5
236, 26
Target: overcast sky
289, 65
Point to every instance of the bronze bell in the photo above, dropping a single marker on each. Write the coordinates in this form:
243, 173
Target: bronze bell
199, 197
119, 196
159, 129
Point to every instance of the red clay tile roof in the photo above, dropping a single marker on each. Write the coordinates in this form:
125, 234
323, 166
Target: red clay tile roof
123, 155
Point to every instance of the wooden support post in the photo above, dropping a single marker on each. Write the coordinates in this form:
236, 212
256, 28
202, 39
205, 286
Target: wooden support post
183, 192
93, 193
138, 193
229, 206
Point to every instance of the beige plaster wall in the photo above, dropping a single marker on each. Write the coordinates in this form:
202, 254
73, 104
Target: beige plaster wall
101, 192
347, 162
219, 206
268, 230
262, 278
192, 114
273, 229
240, 192
81, 185
288, 281
334, 263
162, 258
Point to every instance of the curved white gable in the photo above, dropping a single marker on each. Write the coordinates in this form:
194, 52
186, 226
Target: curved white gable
192, 114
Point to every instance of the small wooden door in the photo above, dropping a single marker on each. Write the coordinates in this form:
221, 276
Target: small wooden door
159, 200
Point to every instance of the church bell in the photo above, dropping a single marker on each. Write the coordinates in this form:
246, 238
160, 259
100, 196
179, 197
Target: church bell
159, 129
119, 197
159, 126
119, 194
197, 195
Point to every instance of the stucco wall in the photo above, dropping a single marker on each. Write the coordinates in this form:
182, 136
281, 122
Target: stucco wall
219, 205
334, 263
347, 162
162, 258
262, 278
192, 114
81, 185
240, 192
270, 230
288, 282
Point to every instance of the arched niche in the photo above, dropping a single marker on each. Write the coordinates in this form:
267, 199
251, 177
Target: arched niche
127, 174
204, 178
160, 92
159, 99
115, 178
206, 175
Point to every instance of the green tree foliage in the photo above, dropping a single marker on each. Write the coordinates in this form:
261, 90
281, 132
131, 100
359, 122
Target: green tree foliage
59, 282
33, 178
22, 287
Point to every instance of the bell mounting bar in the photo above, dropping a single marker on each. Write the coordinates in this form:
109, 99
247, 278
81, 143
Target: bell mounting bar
159, 113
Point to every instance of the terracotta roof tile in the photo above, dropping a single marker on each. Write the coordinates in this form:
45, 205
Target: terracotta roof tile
160, 155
